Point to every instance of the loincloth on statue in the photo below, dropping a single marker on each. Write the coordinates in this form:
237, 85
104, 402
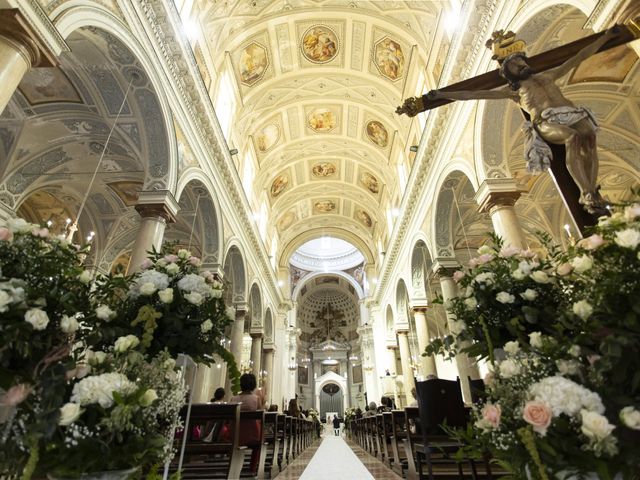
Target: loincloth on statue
537, 152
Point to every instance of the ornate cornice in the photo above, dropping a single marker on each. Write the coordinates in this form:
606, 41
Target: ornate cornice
161, 20
16, 28
39, 21
459, 64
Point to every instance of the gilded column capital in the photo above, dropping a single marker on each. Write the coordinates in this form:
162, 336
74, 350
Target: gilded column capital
497, 192
419, 309
15, 28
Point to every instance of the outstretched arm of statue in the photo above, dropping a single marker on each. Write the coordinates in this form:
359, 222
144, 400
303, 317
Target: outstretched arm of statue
414, 105
583, 54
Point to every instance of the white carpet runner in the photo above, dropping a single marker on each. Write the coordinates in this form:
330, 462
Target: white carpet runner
334, 460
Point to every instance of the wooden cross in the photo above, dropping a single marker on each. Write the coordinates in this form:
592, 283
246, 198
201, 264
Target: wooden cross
565, 184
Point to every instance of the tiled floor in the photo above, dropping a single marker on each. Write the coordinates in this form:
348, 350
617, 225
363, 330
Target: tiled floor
336, 459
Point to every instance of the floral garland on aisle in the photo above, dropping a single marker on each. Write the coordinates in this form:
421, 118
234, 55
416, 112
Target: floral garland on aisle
561, 332
88, 380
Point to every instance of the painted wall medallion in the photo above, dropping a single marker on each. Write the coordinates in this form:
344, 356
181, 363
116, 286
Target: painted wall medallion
377, 133
286, 220
267, 137
324, 169
279, 185
253, 63
324, 206
319, 44
364, 217
370, 182
322, 120
389, 58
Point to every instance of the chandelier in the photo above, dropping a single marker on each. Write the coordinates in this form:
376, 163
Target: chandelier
293, 365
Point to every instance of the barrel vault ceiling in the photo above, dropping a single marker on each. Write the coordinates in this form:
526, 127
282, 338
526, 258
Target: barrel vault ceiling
316, 83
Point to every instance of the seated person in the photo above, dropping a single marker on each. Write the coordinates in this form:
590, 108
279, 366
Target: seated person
218, 395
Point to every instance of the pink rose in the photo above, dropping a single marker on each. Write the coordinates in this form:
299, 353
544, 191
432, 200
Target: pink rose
509, 251
6, 234
473, 263
564, 269
146, 264
458, 275
485, 258
592, 242
171, 258
195, 261
537, 414
527, 253
16, 395
491, 414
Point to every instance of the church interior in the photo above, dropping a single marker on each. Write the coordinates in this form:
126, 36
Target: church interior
262, 136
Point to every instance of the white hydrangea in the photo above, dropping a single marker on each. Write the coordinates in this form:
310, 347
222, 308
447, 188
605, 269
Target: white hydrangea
99, 389
565, 396
194, 283
20, 225
508, 368
157, 279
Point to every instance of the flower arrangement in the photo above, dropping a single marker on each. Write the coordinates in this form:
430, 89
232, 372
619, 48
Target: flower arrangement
120, 415
506, 293
170, 306
564, 398
44, 300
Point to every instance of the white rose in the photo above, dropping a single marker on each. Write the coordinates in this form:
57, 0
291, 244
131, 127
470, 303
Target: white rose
486, 250
518, 274
194, 298
166, 295
172, 268
148, 397
630, 417
469, 291
126, 343
508, 368
583, 309
505, 297
486, 277
628, 238
457, 327
69, 413
526, 267
575, 351
540, 277
5, 299
582, 263
512, 347
206, 326
95, 358
37, 318
215, 293
103, 312
85, 277
147, 289
471, 303
595, 426
535, 339
529, 294
68, 324
568, 367
182, 253
632, 212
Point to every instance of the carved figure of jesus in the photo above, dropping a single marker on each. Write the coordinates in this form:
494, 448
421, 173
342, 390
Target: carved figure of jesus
554, 118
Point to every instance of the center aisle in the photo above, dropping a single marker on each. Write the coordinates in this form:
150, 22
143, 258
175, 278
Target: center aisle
336, 461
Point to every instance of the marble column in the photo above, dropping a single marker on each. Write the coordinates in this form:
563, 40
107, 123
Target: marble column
268, 368
237, 332
407, 371
256, 353
392, 360
428, 364
498, 197
156, 208
20, 49
467, 368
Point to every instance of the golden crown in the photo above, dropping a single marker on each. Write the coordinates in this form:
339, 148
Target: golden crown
504, 44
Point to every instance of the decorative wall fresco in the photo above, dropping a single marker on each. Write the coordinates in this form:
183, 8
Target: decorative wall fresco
287, 220
322, 120
279, 185
46, 85
324, 169
324, 206
370, 182
253, 63
267, 137
319, 44
127, 191
389, 58
364, 218
377, 133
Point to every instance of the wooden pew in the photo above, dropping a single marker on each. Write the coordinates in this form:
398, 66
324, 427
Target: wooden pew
271, 445
387, 432
213, 450
283, 442
398, 427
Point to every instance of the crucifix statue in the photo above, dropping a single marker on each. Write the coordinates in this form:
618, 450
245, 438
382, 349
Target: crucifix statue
552, 119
